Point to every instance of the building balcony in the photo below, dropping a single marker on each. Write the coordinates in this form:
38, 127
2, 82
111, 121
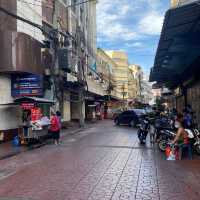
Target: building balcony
20, 53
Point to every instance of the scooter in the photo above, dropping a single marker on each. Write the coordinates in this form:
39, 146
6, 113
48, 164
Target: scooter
165, 137
143, 130
194, 137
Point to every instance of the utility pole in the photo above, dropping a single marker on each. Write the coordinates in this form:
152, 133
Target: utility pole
81, 101
123, 96
140, 87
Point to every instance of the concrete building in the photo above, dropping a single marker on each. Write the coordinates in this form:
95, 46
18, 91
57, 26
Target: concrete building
79, 20
176, 64
138, 76
20, 53
132, 85
177, 3
108, 69
120, 73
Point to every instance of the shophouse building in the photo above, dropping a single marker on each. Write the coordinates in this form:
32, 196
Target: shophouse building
20, 60
176, 63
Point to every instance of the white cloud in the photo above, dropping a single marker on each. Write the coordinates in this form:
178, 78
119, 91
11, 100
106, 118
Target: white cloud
110, 18
151, 24
135, 44
128, 20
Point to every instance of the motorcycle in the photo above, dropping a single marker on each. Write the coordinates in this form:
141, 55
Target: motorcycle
168, 135
162, 124
165, 137
194, 137
143, 130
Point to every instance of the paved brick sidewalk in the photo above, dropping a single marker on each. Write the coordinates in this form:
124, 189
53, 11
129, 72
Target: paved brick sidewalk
101, 163
8, 150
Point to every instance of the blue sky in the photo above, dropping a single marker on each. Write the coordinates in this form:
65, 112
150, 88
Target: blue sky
133, 26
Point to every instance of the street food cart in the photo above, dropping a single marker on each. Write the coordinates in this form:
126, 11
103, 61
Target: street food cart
37, 130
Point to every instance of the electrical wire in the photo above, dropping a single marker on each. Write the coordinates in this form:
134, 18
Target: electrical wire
51, 5
39, 5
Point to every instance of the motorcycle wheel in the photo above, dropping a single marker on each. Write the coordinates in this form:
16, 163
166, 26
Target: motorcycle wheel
162, 145
197, 149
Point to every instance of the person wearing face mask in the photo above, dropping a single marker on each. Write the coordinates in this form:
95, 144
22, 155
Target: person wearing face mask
181, 137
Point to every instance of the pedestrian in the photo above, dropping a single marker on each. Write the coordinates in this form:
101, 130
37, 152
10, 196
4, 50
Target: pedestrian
55, 128
58, 115
26, 118
187, 120
181, 138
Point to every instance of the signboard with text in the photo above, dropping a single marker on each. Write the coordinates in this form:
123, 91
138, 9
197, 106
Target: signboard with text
26, 85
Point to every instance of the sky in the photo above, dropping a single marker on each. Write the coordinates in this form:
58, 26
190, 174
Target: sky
133, 26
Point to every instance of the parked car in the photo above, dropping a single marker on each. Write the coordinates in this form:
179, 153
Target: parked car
129, 117
140, 112
116, 112
113, 112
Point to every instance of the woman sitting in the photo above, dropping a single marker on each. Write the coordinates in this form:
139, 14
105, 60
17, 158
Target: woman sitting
181, 137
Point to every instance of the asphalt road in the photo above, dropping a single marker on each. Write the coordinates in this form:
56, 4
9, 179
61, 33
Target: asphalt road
103, 162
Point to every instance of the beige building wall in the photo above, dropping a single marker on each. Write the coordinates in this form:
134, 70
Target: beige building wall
10, 115
176, 3
120, 73
138, 76
106, 67
132, 86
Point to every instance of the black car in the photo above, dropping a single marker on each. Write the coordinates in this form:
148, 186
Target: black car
127, 118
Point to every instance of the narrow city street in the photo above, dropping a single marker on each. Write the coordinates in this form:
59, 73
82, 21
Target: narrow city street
101, 163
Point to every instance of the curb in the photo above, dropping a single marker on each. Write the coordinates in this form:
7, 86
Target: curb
9, 155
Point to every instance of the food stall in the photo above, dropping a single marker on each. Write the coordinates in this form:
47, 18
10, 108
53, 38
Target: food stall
37, 128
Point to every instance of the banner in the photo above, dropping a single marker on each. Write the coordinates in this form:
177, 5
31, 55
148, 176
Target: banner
26, 85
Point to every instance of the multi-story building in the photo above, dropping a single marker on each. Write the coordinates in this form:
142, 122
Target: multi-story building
106, 67
67, 31
20, 54
120, 73
132, 86
177, 3
176, 64
79, 21
138, 76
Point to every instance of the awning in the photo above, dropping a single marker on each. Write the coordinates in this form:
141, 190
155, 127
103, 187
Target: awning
33, 100
179, 44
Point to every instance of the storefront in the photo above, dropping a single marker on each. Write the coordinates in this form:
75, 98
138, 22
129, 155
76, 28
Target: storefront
20, 58
35, 122
177, 59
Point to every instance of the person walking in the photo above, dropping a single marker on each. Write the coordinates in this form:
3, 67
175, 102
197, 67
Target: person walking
26, 118
58, 115
55, 128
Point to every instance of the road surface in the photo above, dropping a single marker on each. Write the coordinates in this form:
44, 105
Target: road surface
104, 162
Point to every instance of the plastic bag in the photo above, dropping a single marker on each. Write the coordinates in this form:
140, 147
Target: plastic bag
16, 141
171, 153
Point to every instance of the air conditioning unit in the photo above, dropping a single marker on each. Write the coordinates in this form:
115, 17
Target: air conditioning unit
63, 60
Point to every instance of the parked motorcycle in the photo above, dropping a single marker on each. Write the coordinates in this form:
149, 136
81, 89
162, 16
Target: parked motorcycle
165, 137
168, 135
194, 137
143, 130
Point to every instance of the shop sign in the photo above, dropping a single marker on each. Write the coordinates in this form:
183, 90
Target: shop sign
26, 85
27, 106
36, 114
